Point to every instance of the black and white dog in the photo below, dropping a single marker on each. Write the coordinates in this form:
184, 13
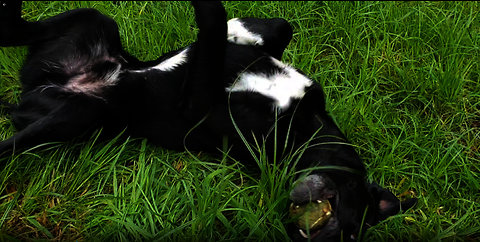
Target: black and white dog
77, 78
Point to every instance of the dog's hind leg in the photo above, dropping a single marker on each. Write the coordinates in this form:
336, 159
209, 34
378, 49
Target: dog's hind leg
10, 21
204, 85
67, 121
15, 31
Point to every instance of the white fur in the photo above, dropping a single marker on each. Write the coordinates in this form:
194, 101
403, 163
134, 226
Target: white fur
238, 34
172, 62
282, 87
111, 78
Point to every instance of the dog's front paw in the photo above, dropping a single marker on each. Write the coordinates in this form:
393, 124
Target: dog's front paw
239, 34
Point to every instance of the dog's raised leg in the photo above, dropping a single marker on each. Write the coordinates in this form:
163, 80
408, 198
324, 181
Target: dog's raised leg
10, 22
271, 35
15, 31
204, 85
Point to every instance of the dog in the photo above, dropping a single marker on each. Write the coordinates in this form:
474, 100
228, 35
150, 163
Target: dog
229, 85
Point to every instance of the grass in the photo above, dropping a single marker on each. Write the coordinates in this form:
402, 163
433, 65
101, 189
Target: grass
401, 80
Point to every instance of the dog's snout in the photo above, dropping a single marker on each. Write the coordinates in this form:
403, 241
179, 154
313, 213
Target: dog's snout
312, 188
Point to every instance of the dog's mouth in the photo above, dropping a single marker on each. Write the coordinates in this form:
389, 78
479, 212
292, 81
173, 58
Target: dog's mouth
312, 217
314, 206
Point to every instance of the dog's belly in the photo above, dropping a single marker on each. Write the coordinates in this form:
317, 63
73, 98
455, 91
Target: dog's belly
247, 70
257, 85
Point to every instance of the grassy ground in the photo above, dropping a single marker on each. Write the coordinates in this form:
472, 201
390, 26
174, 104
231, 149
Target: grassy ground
401, 79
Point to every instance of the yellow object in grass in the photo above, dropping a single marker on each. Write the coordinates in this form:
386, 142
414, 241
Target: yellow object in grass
311, 216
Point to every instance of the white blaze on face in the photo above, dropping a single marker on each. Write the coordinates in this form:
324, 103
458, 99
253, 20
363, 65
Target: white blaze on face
238, 34
282, 87
172, 62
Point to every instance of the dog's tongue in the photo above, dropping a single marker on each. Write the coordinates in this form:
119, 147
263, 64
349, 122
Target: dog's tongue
311, 216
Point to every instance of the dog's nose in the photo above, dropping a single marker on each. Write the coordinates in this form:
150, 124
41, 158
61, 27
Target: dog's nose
311, 188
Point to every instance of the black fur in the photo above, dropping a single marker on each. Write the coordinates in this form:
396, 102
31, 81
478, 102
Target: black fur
77, 78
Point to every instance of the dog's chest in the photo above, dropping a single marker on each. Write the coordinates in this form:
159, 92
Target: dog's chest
282, 86
275, 79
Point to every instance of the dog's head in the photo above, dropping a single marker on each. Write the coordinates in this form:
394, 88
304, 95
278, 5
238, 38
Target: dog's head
331, 199
328, 206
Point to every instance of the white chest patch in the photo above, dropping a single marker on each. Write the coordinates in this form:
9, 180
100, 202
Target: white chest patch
282, 87
238, 34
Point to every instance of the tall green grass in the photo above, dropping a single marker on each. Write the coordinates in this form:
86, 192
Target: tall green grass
401, 80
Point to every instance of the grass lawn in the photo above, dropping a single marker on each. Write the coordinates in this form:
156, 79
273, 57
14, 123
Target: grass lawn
401, 80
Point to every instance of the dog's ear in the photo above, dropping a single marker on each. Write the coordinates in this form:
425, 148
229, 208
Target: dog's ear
387, 203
